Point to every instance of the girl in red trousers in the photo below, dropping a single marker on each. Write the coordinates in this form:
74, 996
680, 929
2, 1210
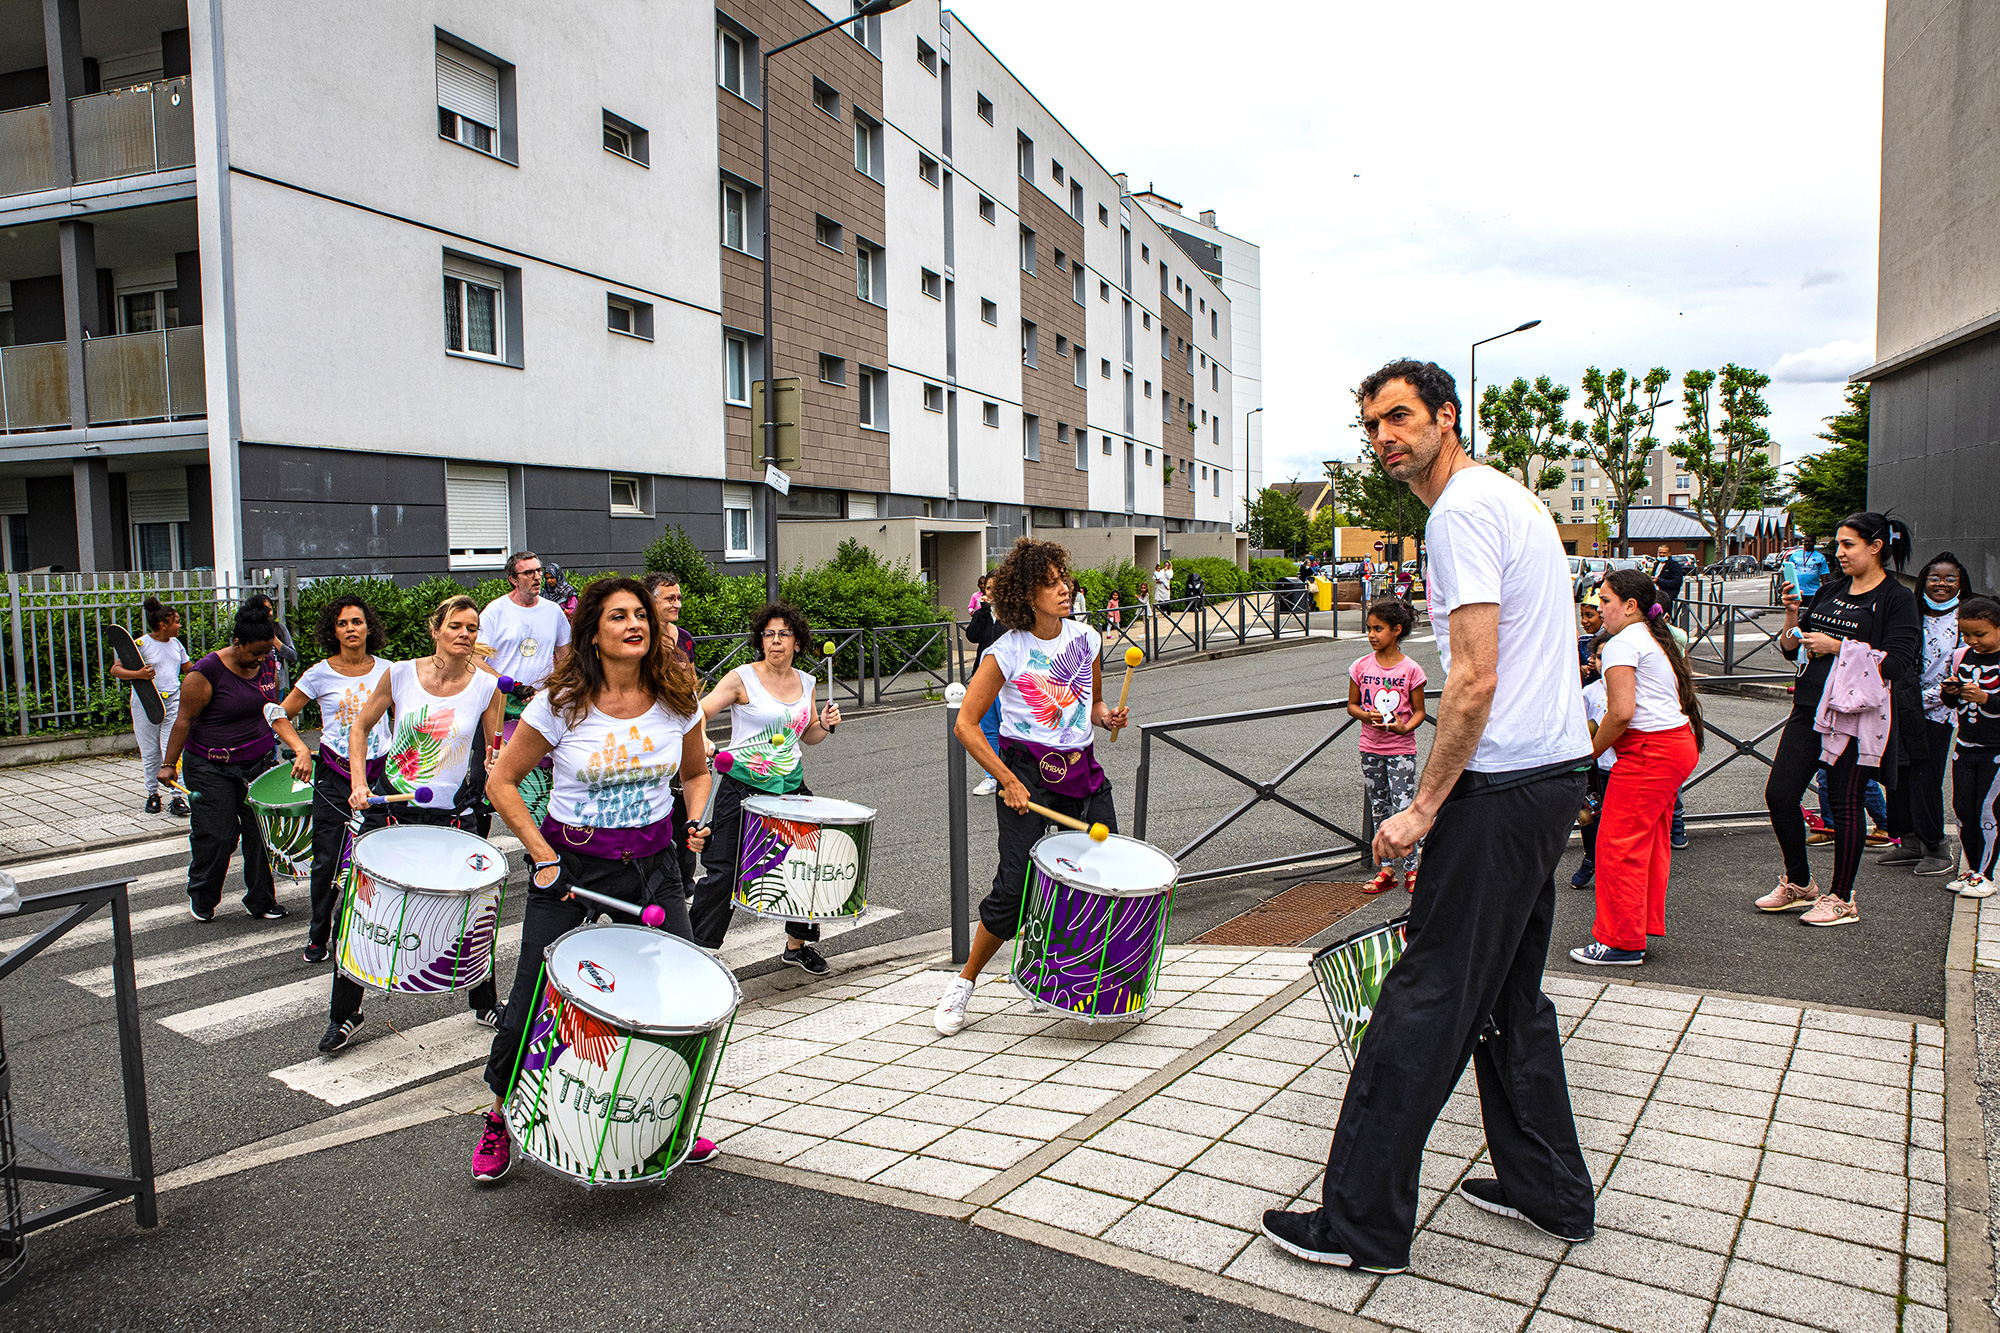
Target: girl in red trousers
1652, 721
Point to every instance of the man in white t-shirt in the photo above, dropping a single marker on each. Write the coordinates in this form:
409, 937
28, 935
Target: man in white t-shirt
528, 633
1493, 809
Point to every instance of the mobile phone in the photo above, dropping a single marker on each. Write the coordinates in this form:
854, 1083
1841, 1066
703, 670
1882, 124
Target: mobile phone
1791, 576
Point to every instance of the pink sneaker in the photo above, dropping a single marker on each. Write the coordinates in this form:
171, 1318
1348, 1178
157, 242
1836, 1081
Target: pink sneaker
1787, 896
495, 1153
1831, 911
703, 1150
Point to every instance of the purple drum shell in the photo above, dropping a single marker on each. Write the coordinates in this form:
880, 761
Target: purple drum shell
1088, 953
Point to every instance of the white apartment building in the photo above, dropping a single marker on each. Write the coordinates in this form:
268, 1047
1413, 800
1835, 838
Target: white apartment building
463, 282
1585, 488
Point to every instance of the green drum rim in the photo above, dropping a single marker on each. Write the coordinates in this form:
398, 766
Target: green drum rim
272, 789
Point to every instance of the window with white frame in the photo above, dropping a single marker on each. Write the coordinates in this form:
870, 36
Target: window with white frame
934, 398
626, 139
1576, 506
476, 511
628, 496
156, 509
1031, 345
739, 514
1024, 153
987, 213
736, 61
474, 309
866, 30
1104, 368
1078, 357
874, 397
926, 56
1031, 437
1076, 200
1215, 430
867, 145
1027, 250
1213, 317
468, 94
737, 369
989, 414
1215, 481
989, 313
826, 97
739, 216
1076, 283
927, 169
832, 369
931, 284
633, 318
828, 232
1103, 216
1082, 449
869, 265
985, 108
1215, 376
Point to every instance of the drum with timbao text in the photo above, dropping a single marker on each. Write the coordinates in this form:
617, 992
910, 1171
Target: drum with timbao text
1093, 925
617, 1062
803, 858
419, 908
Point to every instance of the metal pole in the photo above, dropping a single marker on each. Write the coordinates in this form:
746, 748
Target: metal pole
770, 422
1142, 782
138, 1127
1729, 641
961, 874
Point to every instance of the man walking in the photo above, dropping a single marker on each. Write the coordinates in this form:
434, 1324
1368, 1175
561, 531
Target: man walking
1668, 575
1494, 810
528, 633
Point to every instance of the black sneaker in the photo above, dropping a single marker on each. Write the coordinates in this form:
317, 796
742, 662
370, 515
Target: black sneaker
273, 912
1293, 1233
153, 804
339, 1034
805, 957
177, 806
315, 953
489, 1018
1486, 1193
200, 913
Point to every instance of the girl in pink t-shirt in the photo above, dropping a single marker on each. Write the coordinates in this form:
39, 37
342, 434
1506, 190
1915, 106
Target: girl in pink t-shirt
1385, 691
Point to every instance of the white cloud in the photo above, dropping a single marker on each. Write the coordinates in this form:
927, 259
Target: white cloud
1829, 364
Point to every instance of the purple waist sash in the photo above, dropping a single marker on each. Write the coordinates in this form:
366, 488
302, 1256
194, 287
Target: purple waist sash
1067, 772
610, 844
339, 764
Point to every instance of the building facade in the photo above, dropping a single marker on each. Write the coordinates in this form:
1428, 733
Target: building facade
1934, 433
1585, 489
469, 289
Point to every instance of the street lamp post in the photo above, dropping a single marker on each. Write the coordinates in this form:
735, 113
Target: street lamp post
770, 422
1472, 398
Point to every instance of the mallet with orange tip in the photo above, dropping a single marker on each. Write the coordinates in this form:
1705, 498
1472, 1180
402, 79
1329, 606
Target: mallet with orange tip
1097, 832
1132, 659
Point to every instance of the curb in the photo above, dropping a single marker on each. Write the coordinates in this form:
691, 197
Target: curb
1968, 1188
95, 845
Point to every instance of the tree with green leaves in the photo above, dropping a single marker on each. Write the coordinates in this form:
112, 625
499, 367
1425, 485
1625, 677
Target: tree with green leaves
1833, 483
1319, 531
1723, 443
1619, 435
1526, 430
1377, 500
1275, 520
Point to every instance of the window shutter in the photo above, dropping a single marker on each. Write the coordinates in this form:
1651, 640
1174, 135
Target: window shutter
476, 513
468, 86
13, 495
860, 506
156, 497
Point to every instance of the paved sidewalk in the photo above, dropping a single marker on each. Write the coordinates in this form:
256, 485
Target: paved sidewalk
1760, 1166
76, 805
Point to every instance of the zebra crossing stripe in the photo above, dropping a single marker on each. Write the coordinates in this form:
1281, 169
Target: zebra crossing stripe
389, 1061
157, 971
97, 930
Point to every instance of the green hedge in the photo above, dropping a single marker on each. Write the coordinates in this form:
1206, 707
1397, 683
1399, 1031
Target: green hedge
1269, 569
1219, 578
1125, 578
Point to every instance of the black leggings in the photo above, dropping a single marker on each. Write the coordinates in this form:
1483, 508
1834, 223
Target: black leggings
1916, 804
1791, 773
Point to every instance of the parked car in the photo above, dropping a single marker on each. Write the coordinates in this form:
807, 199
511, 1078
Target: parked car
1588, 572
1773, 560
1730, 566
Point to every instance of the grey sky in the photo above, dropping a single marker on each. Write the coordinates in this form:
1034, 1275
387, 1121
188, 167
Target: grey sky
1680, 185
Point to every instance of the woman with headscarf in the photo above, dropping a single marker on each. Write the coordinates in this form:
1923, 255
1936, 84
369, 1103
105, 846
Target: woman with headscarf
1916, 804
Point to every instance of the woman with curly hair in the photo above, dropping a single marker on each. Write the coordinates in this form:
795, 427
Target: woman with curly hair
619, 718
447, 715
1044, 672
350, 633
771, 715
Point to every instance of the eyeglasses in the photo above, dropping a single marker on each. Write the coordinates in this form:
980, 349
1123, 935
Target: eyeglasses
523, 572
776, 634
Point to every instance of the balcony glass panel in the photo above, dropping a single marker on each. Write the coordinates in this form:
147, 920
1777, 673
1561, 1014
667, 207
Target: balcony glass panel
26, 160
144, 376
132, 131
34, 386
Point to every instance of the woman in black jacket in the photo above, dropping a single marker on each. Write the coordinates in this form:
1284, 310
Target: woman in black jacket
1866, 603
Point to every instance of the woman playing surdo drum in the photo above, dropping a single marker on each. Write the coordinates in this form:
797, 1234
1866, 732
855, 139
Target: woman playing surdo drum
619, 716
771, 715
447, 715
1044, 672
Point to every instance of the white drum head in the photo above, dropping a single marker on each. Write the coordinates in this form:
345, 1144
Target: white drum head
1119, 866
429, 859
809, 809
642, 980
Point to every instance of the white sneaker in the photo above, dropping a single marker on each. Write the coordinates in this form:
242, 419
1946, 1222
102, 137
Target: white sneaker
1974, 885
950, 1015
987, 786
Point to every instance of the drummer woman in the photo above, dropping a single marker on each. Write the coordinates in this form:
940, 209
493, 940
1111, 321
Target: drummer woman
350, 633
224, 728
770, 705
619, 716
1044, 672
445, 707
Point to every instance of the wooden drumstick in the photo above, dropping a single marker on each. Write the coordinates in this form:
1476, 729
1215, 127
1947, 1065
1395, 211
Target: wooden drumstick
1132, 659
1097, 832
826, 651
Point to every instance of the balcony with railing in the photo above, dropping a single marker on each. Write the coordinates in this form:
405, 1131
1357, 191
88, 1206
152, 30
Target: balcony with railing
125, 132
128, 379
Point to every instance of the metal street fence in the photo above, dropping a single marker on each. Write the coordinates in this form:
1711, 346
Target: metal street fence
1185, 625
55, 671
1725, 636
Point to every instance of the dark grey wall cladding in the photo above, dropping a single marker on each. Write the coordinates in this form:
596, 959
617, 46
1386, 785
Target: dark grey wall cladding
1934, 454
331, 511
